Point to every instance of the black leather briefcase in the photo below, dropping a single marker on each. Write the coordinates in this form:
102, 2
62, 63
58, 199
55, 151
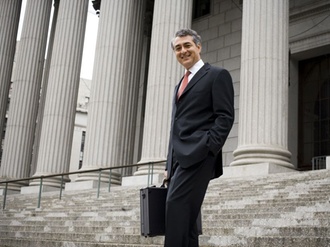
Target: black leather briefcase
152, 211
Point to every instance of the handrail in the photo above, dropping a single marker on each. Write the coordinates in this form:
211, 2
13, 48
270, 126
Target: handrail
150, 178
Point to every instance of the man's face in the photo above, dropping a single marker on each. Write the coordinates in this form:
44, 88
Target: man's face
186, 51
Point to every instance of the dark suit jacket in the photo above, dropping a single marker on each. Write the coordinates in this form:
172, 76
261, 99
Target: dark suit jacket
202, 119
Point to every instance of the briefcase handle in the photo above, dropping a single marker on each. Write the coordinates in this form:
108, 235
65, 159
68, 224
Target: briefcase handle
165, 182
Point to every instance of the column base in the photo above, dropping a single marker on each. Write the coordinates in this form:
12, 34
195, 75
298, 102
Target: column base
15, 186
262, 154
158, 168
104, 177
261, 169
49, 181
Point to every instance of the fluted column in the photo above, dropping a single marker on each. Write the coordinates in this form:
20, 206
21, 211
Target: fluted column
263, 112
62, 91
164, 74
114, 92
17, 152
43, 93
132, 83
9, 19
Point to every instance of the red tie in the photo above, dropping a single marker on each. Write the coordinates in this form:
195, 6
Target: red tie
184, 83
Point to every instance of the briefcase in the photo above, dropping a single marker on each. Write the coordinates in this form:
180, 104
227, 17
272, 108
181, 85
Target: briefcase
152, 211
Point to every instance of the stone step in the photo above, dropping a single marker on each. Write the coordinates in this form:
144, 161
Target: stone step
276, 193
246, 212
80, 228
277, 210
250, 189
224, 227
58, 223
315, 231
95, 219
208, 208
237, 241
269, 231
53, 243
213, 202
134, 198
104, 237
251, 206
205, 241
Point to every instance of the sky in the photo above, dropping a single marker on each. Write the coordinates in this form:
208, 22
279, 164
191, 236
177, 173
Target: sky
89, 44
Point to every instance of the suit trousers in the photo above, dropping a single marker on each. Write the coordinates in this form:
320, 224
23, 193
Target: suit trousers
186, 192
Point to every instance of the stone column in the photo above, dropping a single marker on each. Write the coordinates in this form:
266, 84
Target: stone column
44, 90
114, 92
9, 19
17, 152
132, 83
62, 91
164, 73
263, 111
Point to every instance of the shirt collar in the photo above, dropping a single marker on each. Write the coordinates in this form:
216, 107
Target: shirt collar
193, 70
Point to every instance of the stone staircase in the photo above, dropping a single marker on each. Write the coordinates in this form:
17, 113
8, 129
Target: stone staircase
289, 210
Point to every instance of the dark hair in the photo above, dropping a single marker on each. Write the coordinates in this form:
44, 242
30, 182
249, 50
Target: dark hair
188, 32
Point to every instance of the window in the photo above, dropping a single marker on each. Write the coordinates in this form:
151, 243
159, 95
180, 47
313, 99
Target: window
201, 8
82, 147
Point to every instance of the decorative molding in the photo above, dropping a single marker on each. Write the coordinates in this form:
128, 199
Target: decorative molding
310, 42
310, 10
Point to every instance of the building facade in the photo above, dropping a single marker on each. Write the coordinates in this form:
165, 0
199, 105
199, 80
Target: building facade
276, 51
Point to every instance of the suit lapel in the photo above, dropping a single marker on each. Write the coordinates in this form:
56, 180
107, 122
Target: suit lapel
200, 73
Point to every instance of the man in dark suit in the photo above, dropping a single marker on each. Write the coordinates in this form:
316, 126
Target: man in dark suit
202, 117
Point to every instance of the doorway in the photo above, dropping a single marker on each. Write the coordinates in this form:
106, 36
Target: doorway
314, 110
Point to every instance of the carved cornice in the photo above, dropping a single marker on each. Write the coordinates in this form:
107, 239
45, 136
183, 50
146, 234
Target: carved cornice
310, 10
310, 42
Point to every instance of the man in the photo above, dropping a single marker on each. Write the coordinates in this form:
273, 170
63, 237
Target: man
202, 117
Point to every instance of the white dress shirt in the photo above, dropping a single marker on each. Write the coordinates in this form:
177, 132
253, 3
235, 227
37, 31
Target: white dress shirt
194, 69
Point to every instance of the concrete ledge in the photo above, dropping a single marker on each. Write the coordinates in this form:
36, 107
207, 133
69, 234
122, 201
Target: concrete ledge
35, 189
142, 180
84, 185
9, 192
254, 170
228, 172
